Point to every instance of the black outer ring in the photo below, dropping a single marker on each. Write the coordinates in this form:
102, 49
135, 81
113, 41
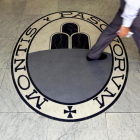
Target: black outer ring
58, 119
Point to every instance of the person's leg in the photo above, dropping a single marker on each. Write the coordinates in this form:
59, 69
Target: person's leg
106, 37
136, 36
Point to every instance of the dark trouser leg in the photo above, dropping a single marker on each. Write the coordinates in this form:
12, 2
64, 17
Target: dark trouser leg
106, 37
136, 36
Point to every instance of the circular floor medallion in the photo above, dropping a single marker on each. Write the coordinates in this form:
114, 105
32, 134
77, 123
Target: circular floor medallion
51, 73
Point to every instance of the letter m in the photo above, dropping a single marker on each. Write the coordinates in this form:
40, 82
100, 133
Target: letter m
38, 105
102, 104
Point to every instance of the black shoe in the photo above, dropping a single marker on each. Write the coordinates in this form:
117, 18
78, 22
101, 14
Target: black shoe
89, 59
102, 57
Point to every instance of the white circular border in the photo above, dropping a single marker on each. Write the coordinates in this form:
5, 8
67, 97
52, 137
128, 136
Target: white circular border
59, 111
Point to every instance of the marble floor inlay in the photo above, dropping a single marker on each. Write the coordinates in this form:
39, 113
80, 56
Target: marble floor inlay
50, 70
50, 76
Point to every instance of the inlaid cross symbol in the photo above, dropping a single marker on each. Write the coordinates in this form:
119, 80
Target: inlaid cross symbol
70, 112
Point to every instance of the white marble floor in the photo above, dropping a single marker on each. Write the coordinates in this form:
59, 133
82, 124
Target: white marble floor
19, 122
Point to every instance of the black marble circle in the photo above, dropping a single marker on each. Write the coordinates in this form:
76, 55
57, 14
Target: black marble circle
65, 75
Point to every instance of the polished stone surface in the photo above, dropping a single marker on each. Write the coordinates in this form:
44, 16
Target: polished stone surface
2, 72
33, 126
88, 78
7, 45
123, 126
130, 98
9, 25
18, 121
10, 101
4, 58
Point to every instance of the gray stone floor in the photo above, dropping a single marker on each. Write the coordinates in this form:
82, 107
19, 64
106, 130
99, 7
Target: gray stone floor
19, 122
